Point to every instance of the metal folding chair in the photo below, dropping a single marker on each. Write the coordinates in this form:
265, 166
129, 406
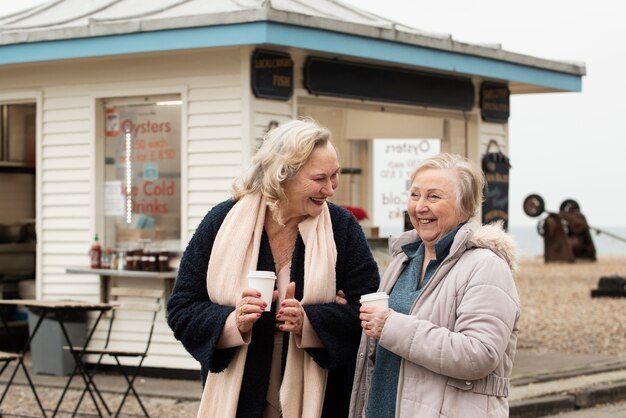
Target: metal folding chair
6, 358
133, 317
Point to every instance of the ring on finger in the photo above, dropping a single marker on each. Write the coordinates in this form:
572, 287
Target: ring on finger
241, 312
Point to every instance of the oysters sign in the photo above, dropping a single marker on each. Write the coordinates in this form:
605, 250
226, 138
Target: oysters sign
394, 161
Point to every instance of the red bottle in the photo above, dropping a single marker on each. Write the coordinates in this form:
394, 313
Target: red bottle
95, 253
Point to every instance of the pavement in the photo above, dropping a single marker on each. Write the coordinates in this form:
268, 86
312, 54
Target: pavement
543, 384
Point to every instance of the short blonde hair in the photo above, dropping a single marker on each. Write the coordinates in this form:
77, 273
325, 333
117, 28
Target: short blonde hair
285, 149
470, 184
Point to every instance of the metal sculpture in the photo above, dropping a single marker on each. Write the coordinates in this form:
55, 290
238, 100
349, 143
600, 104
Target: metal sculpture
566, 234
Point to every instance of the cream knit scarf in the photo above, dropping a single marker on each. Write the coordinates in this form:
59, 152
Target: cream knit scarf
236, 252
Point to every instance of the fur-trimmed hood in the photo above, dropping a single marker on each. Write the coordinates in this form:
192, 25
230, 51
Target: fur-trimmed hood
493, 237
471, 235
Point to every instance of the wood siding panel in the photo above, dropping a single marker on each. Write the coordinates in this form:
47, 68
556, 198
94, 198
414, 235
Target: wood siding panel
216, 92
221, 119
67, 199
221, 184
274, 107
65, 278
208, 196
66, 102
199, 86
66, 127
215, 145
213, 159
66, 192
216, 132
65, 211
64, 224
198, 211
66, 139
219, 106
266, 111
53, 247
64, 261
83, 292
63, 163
63, 115
65, 175
200, 172
63, 187
221, 88
61, 151
66, 236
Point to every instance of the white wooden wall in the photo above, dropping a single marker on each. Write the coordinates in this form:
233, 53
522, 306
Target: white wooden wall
215, 129
215, 142
66, 195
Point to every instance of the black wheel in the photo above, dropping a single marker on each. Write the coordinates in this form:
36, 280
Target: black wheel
569, 205
534, 205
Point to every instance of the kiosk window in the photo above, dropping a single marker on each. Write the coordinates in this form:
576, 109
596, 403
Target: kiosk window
142, 172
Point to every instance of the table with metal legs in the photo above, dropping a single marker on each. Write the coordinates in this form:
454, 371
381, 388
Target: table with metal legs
56, 310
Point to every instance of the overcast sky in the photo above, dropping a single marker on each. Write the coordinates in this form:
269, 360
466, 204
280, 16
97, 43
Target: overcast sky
562, 145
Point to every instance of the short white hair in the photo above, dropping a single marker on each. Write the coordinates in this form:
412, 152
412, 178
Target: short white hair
470, 180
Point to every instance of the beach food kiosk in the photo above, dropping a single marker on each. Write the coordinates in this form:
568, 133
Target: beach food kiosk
140, 114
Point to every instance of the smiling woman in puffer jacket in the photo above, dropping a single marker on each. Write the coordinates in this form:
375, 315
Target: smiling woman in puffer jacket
445, 346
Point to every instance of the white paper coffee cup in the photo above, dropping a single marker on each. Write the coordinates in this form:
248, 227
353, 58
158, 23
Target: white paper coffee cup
263, 281
379, 299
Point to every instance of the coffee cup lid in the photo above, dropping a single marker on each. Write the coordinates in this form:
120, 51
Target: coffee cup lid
374, 296
262, 274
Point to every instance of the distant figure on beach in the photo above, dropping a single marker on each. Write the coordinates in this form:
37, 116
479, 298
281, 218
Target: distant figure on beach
445, 346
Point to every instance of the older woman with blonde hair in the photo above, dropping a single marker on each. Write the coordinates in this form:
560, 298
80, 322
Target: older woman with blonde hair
297, 360
445, 345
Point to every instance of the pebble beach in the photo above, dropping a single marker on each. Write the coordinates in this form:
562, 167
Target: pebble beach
559, 314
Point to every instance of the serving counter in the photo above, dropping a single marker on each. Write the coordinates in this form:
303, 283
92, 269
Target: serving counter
168, 278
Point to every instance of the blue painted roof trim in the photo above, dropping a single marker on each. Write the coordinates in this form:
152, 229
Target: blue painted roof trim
272, 33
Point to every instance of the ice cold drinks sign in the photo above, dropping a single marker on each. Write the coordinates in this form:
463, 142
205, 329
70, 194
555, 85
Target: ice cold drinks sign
152, 197
394, 161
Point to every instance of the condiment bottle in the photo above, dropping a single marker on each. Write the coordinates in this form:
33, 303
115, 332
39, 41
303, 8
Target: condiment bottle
112, 259
105, 260
121, 260
164, 260
95, 253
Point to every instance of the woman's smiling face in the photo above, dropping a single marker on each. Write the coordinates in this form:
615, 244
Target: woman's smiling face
315, 182
432, 204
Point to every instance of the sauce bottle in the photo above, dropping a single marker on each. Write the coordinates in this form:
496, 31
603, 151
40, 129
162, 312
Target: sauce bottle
95, 253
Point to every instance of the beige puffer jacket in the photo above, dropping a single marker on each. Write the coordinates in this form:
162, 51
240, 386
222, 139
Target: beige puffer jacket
458, 343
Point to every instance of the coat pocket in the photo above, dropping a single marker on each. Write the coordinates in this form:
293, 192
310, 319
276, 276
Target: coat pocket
491, 385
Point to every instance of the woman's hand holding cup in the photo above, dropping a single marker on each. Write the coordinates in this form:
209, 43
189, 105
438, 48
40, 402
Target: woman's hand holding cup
373, 320
373, 313
248, 309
